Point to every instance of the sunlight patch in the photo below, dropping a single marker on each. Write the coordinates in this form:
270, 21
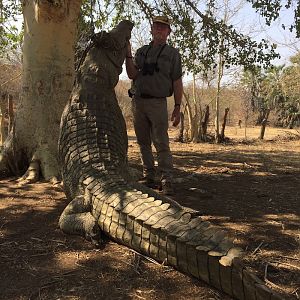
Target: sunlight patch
285, 217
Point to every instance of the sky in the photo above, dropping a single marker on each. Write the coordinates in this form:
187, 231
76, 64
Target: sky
287, 42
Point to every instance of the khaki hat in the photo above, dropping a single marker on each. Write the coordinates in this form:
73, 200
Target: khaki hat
161, 19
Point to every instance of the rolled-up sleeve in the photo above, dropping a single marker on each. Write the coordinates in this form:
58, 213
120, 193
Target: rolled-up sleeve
176, 71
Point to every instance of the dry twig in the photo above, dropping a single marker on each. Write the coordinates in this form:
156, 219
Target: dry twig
257, 248
284, 263
146, 257
270, 282
289, 257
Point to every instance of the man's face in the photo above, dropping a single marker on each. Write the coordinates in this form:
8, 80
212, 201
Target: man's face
160, 31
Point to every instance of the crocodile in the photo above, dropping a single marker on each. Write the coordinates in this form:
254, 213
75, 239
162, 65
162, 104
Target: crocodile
105, 202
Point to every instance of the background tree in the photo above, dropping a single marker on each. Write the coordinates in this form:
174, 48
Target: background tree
48, 74
275, 89
271, 10
213, 74
10, 37
288, 106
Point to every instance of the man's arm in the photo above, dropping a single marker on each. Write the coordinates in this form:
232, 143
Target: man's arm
131, 69
178, 92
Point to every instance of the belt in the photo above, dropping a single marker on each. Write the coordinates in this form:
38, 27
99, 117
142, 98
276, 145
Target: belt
146, 96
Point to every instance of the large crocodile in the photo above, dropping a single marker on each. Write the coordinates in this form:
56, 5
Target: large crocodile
93, 157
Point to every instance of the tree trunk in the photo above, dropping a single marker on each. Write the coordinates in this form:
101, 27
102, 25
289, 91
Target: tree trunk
222, 136
220, 75
204, 124
261, 116
200, 117
217, 135
48, 74
291, 122
181, 130
188, 110
3, 133
195, 124
264, 124
10, 112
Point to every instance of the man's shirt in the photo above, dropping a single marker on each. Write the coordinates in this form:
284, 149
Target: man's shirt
168, 70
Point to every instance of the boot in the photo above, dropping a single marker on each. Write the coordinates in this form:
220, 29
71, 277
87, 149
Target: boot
149, 182
167, 187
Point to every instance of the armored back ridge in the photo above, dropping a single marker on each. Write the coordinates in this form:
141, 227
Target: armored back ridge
93, 133
93, 158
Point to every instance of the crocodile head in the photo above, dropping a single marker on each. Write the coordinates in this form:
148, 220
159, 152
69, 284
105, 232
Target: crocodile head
103, 60
114, 42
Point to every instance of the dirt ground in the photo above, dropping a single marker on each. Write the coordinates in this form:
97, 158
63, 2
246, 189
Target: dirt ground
249, 187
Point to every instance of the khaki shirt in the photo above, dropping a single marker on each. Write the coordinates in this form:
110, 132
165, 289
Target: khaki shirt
160, 84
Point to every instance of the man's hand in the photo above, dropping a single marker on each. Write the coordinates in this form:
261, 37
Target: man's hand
131, 69
176, 116
178, 91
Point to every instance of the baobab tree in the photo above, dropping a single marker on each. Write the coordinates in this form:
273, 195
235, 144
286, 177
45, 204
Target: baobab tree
48, 74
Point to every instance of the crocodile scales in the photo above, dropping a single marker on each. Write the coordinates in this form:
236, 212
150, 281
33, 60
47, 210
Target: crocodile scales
93, 158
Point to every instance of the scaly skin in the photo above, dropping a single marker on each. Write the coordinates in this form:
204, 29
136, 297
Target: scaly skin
93, 157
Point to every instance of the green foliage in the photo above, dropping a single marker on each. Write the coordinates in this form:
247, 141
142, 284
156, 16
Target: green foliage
216, 37
104, 14
265, 87
10, 37
199, 35
271, 10
289, 110
276, 88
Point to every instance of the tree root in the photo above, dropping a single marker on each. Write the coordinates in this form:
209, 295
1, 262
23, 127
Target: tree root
32, 174
4, 172
31, 164
13, 162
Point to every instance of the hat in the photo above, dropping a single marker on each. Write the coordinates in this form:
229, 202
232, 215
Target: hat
161, 19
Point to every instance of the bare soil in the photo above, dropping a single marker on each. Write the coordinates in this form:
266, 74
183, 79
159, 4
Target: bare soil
250, 188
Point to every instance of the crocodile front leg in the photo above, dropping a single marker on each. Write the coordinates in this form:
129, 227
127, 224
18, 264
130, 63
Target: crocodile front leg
77, 219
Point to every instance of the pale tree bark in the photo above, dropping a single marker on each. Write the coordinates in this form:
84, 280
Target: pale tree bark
10, 106
195, 124
2, 129
264, 124
188, 111
180, 137
3, 132
222, 135
48, 74
204, 124
217, 117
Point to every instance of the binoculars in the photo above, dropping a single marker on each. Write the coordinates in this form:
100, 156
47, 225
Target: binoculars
148, 69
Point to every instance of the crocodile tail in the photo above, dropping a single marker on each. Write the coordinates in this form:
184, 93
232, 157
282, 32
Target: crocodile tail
170, 234
207, 253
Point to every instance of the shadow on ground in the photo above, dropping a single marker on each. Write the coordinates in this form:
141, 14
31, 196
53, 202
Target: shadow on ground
252, 193
40, 262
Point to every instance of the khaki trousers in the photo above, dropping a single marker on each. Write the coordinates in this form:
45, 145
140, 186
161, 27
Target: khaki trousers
150, 119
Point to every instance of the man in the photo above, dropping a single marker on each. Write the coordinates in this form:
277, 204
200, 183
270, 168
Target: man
156, 73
